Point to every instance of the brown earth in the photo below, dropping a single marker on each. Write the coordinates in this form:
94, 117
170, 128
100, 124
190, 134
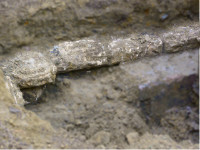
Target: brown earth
146, 103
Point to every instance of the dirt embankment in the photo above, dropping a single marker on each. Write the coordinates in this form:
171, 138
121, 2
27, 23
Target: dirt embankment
42, 22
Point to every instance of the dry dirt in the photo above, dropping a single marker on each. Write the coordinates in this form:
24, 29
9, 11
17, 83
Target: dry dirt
111, 111
145, 103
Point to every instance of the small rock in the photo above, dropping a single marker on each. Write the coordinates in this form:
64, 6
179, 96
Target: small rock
99, 96
78, 122
164, 17
66, 82
181, 38
100, 147
132, 137
93, 128
101, 138
62, 146
69, 127
49, 145
109, 93
30, 69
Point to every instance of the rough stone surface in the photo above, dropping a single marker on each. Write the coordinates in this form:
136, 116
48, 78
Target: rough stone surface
132, 137
33, 69
26, 70
134, 47
145, 103
92, 52
156, 100
163, 69
30, 69
182, 38
79, 54
157, 80
89, 52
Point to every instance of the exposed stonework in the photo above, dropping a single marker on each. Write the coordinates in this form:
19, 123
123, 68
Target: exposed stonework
99, 74
134, 47
163, 69
26, 70
32, 69
79, 54
89, 52
182, 38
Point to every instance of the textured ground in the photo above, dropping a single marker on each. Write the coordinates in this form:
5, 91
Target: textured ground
99, 74
111, 109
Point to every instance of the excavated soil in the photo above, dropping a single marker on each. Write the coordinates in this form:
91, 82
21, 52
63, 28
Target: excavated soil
99, 108
145, 103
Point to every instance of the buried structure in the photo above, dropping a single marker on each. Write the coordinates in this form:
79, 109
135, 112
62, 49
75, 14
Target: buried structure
99, 74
